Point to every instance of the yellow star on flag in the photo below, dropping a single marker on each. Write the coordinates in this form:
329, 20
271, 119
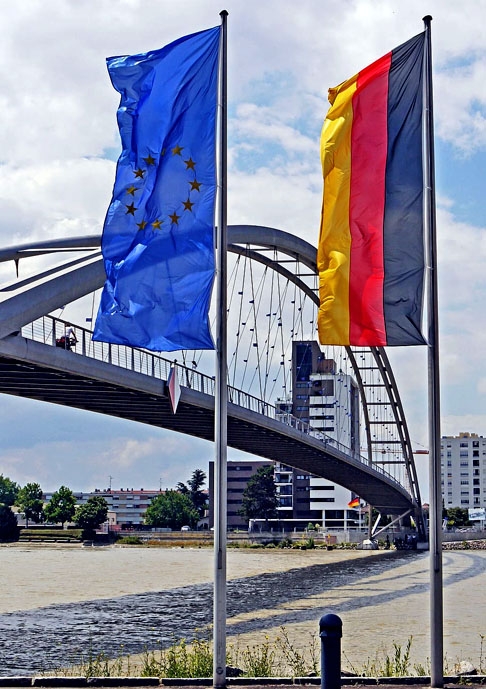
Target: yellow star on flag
176, 151
190, 164
139, 173
195, 185
142, 224
157, 224
174, 218
150, 160
188, 205
131, 209
131, 190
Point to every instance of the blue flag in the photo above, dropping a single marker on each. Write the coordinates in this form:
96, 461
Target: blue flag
158, 236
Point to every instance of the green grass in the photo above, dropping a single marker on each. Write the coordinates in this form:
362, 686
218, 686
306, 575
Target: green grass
276, 656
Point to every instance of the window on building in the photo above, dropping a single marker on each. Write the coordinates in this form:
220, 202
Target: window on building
463, 444
334, 514
285, 501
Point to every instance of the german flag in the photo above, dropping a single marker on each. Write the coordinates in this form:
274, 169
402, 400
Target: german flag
371, 245
353, 503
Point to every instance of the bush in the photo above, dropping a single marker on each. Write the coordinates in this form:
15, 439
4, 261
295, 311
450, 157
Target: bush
129, 540
9, 531
285, 543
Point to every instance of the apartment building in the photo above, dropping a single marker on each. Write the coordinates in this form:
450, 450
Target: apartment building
126, 507
463, 470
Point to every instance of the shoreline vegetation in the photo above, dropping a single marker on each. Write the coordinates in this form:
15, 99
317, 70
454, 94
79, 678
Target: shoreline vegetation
302, 541
276, 656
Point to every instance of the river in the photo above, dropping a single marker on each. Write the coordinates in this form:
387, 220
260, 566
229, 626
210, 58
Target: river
55, 601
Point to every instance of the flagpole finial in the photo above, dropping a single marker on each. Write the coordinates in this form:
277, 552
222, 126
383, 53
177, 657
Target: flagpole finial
427, 19
223, 14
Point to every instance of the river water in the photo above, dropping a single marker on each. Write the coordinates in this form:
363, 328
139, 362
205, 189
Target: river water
56, 601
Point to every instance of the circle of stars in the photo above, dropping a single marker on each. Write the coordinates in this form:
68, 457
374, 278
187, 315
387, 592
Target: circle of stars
140, 175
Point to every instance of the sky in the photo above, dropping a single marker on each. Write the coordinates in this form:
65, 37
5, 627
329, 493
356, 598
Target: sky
59, 142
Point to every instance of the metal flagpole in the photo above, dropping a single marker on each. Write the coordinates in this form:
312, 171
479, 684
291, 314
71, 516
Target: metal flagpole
221, 392
435, 514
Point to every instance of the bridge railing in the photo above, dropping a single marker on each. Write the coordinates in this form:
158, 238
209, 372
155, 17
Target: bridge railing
49, 330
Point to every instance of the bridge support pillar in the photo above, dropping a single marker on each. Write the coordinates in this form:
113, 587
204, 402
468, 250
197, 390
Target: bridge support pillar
330, 631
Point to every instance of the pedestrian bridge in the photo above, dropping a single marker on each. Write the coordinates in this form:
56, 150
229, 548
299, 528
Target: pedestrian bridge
272, 298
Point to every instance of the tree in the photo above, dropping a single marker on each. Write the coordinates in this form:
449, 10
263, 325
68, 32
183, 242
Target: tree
171, 509
457, 517
8, 491
193, 489
9, 531
61, 507
260, 499
29, 501
92, 514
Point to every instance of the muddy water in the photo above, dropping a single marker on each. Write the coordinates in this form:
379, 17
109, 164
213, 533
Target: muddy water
57, 601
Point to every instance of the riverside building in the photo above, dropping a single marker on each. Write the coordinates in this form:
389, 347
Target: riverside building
463, 470
126, 507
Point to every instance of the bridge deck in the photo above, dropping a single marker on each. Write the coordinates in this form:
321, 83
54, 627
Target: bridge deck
42, 372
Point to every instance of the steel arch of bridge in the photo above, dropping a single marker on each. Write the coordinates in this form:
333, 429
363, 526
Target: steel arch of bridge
50, 290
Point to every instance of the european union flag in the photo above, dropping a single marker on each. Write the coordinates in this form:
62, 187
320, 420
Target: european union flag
158, 236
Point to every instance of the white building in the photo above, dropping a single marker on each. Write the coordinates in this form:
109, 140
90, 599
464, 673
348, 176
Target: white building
463, 470
126, 508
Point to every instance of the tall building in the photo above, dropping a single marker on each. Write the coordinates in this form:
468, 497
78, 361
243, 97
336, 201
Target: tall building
324, 396
238, 474
463, 470
328, 400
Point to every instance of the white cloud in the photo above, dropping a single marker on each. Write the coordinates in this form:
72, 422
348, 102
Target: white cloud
58, 120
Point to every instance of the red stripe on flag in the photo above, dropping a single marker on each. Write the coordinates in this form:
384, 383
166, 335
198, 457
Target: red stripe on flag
369, 141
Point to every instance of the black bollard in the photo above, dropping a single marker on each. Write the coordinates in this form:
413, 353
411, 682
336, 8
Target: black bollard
330, 631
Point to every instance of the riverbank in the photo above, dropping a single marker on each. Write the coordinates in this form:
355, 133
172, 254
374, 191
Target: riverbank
472, 682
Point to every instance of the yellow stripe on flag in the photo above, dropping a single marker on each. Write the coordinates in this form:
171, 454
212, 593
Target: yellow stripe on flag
335, 238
